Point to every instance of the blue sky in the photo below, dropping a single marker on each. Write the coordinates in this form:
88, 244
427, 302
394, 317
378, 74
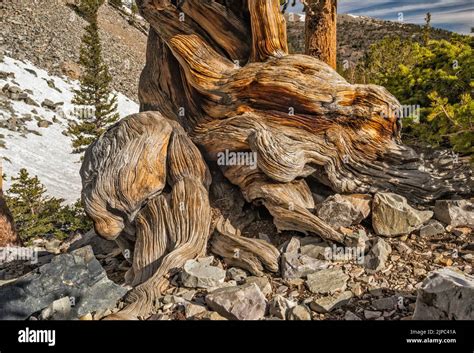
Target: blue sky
454, 15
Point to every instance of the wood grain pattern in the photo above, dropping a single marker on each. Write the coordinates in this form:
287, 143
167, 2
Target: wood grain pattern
219, 80
8, 233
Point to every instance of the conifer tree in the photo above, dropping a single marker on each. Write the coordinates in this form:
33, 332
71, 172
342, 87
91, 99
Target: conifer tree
37, 214
427, 28
94, 89
33, 212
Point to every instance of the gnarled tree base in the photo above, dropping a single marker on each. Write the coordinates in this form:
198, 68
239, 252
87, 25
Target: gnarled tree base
291, 117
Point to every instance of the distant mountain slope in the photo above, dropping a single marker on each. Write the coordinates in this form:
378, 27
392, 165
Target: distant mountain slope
48, 34
355, 34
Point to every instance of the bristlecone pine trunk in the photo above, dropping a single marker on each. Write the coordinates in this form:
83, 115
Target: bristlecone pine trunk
218, 79
8, 234
321, 30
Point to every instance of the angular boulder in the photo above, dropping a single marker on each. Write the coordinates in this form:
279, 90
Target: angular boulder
344, 210
279, 306
327, 281
58, 310
299, 313
378, 255
77, 275
455, 212
262, 282
392, 215
245, 302
433, 227
295, 264
327, 304
446, 294
200, 274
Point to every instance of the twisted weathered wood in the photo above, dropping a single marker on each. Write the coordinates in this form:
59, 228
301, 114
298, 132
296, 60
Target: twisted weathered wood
8, 233
254, 255
219, 73
145, 179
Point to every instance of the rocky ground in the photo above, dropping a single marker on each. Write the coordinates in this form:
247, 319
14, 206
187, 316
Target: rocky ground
406, 263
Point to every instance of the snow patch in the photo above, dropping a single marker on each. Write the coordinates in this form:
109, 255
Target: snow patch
48, 155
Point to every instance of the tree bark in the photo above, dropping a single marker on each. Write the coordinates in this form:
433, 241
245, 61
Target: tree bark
8, 234
321, 30
224, 83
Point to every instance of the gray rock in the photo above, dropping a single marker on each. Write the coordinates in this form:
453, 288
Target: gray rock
446, 294
197, 274
327, 281
22, 96
186, 294
357, 239
392, 215
279, 306
245, 302
77, 275
343, 211
262, 282
378, 255
295, 265
362, 203
47, 103
432, 228
5, 75
403, 248
31, 71
44, 123
13, 123
315, 250
385, 303
99, 245
191, 310
58, 310
327, 304
14, 89
292, 246
300, 313
455, 212
237, 274
370, 314
350, 316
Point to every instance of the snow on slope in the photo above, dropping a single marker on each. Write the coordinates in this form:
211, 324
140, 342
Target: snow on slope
48, 156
